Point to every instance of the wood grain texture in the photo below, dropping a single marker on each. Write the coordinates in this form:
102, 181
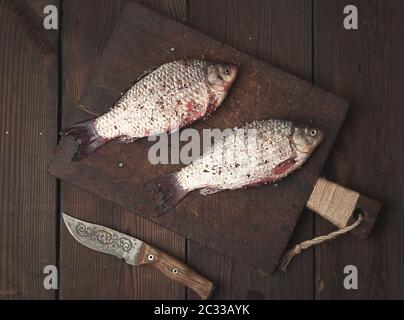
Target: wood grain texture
30, 13
86, 274
254, 218
28, 118
278, 32
367, 68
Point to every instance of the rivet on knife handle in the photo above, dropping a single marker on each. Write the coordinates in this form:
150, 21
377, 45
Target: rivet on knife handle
177, 271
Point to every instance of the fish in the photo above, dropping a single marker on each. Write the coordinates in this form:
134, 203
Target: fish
261, 152
164, 99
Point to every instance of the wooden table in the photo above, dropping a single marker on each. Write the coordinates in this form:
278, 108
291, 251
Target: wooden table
44, 72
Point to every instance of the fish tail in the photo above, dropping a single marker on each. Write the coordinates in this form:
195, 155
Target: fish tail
170, 190
86, 134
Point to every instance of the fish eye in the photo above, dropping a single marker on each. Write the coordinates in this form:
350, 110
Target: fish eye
313, 132
227, 71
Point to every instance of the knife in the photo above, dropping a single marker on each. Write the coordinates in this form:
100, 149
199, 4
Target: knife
136, 252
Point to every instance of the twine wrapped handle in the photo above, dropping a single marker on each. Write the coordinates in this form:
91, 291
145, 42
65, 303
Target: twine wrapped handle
337, 205
288, 256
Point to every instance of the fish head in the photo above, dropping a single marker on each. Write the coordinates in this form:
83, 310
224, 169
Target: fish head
221, 76
305, 139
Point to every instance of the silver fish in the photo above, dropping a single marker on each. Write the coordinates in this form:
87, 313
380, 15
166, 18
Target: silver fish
262, 152
163, 100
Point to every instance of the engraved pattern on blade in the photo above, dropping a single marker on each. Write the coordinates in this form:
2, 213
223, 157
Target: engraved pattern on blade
104, 239
173, 95
232, 163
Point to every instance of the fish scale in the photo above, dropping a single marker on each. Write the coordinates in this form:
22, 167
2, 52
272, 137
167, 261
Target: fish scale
232, 164
154, 95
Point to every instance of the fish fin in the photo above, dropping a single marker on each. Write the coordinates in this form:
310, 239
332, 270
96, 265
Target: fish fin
285, 167
146, 73
257, 183
85, 133
126, 139
207, 191
170, 190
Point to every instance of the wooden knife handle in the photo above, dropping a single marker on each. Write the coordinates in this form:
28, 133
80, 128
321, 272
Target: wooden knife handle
177, 271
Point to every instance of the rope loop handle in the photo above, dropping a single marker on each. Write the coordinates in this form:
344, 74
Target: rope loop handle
288, 256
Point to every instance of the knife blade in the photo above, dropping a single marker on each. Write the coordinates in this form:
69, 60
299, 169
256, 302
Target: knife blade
136, 252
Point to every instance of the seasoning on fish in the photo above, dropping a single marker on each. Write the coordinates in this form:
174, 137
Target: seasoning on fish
262, 152
163, 100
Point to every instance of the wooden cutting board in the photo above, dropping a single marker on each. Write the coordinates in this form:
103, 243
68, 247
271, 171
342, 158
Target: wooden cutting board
253, 225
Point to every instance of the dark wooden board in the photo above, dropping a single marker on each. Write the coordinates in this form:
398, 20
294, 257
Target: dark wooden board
28, 118
278, 32
258, 222
86, 274
367, 67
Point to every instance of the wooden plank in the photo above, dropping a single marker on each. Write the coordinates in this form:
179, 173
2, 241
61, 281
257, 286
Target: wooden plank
367, 68
32, 13
143, 34
278, 32
86, 274
28, 120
